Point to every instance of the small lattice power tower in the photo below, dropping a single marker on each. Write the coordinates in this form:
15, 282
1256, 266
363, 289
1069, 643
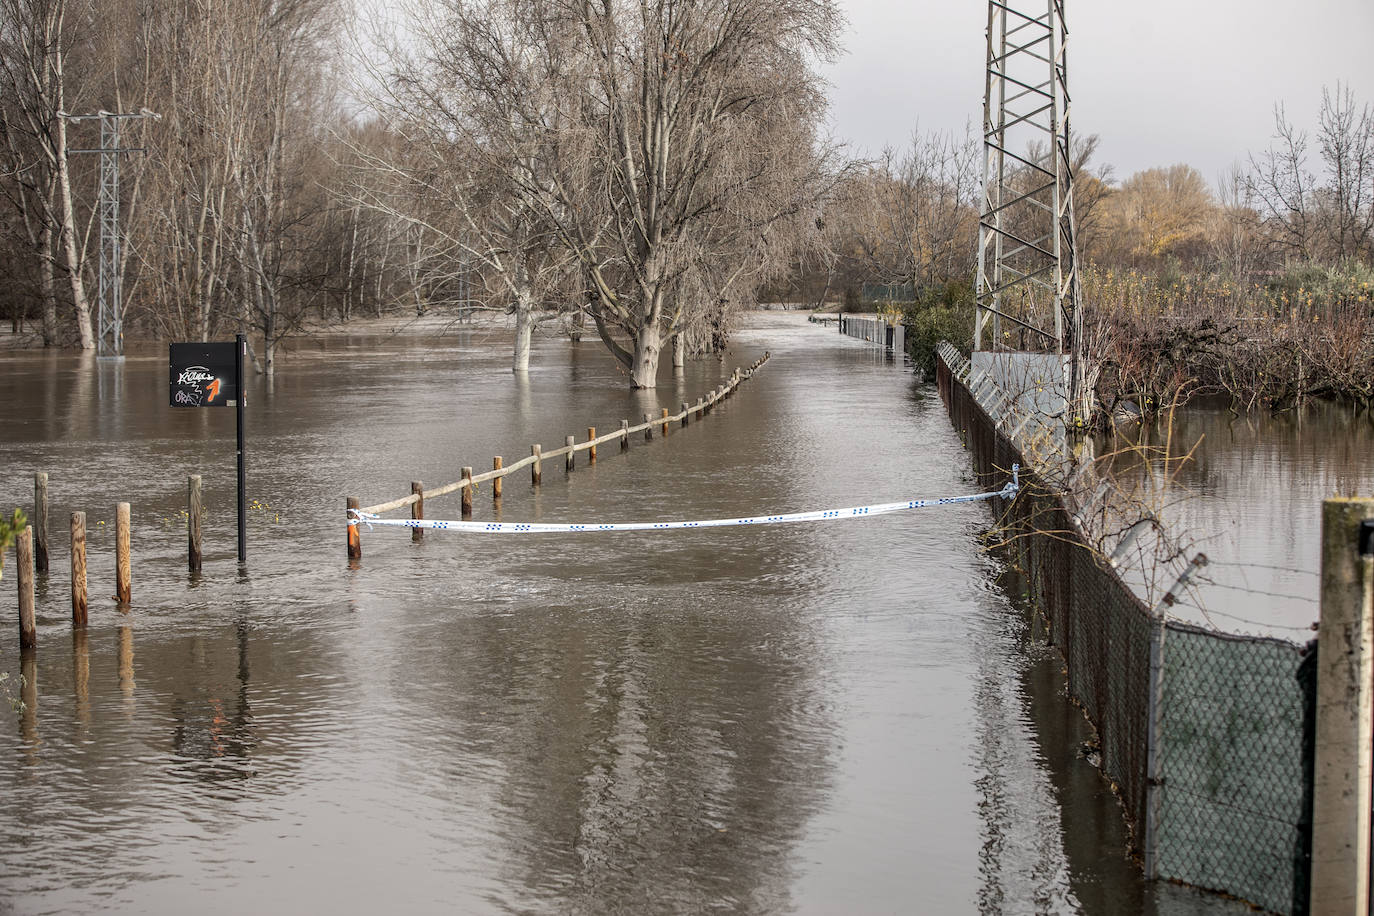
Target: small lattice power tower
1028, 293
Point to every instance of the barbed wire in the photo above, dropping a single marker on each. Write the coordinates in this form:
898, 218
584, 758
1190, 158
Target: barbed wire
1292, 569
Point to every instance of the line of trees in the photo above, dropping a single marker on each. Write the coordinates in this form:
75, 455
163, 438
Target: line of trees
647, 167
646, 164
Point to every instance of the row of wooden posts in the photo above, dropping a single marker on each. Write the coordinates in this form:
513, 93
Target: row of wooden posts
468, 482
32, 555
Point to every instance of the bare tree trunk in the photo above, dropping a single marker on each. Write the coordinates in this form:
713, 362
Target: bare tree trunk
679, 352
648, 345
47, 284
67, 235
524, 330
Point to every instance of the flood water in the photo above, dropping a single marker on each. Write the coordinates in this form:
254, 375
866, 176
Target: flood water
835, 718
1249, 497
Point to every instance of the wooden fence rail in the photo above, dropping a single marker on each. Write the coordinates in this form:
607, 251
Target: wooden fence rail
537, 455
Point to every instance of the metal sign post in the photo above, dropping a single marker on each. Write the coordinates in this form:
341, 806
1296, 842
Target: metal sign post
211, 375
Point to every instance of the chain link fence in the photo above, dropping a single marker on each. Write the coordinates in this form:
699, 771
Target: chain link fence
1201, 733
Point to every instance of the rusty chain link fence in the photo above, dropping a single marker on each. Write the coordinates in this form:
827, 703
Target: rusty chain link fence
1201, 732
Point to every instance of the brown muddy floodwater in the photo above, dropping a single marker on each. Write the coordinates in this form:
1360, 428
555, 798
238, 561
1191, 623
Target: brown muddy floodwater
1249, 497
830, 719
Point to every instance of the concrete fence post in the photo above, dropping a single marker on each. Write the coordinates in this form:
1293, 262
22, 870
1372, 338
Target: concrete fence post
1342, 754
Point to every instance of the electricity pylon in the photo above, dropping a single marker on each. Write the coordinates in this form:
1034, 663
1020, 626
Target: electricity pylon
109, 340
1028, 290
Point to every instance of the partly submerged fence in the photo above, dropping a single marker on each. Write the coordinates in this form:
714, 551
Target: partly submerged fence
1201, 732
469, 482
875, 330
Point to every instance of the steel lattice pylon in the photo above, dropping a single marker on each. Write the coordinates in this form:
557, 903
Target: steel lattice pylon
110, 299
1028, 286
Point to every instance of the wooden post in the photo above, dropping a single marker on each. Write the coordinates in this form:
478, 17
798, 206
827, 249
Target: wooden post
496, 484
1345, 670
355, 538
123, 562
686, 412
569, 460
194, 554
467, 492
535, 474
417, 510
624, 435
78, 569
701, 407
591, 452
665, 421
649, 427
40, 522
23, 555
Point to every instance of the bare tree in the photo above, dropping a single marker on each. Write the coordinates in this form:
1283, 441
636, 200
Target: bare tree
651, 136
34, 44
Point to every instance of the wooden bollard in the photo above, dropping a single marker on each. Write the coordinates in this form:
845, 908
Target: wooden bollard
686, 412
665, 421
23, 555
78, 569
123, 562
417, 510
40, 522
467, 492
648, 427
624, 435
569, 460
496, 484
591, 450
535, 474
701, 407
355, 537
194, 555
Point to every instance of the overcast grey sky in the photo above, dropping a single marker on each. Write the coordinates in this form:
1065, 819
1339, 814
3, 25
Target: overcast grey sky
1162, 81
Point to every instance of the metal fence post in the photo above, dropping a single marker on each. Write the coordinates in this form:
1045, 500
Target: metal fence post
1152, 722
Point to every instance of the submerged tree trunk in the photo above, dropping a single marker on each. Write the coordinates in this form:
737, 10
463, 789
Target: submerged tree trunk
47, 284
679, 351
524, 330
648, 345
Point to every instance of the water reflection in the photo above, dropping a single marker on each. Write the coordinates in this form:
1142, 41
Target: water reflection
1250, 495
28, 696
213, 730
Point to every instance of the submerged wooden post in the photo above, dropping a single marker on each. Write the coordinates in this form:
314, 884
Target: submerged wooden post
569, 460
40, 522
648, 427
23, 555
467, 492
1345, 684
78, 569
624, 435
664, 417
496, 483
591, 451
686, 412
701, 407
194, 555
355, 538
417, 510
535, 474
123, 562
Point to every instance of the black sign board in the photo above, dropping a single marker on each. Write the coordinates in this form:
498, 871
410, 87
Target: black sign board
211, 375
204, 374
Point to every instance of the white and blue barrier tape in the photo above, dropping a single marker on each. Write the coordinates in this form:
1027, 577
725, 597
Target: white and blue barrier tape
826, 515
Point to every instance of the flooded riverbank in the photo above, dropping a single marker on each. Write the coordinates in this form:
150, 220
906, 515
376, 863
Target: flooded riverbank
847, 717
